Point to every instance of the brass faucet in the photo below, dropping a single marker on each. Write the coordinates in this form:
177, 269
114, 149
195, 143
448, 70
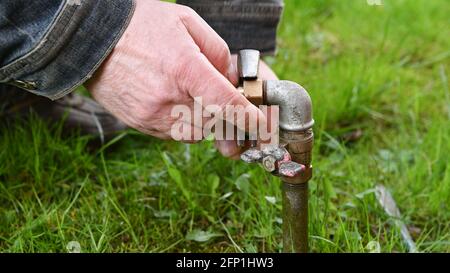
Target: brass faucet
291, 160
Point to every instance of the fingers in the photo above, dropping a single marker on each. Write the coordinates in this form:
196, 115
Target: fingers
201, 80
228, 148
211, 45
265, 72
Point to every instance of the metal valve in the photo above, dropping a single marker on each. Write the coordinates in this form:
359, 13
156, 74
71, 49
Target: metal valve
249, 84
248, 67
274, 159
292, 160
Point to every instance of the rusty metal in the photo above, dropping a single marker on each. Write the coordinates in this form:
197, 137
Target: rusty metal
295, 217
291, 169
269, 163
253, 91
274, 159
252, 156
299, 146
292, 159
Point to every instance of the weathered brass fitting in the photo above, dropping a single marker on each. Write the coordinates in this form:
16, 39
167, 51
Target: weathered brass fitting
299, 145
253, 91
250, 86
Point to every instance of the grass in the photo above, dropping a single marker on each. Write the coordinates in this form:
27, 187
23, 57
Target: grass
382, 70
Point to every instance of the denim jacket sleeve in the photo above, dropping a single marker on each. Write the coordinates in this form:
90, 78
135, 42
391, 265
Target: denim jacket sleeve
242, 23
49, 47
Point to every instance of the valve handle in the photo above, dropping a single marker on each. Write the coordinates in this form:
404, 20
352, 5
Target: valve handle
248, 64
249, 85
274, 159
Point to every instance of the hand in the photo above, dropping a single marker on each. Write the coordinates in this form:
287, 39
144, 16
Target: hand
227, 147
167, 56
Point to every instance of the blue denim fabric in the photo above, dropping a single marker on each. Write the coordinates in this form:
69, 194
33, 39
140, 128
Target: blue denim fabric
50, 47
242, 23
18, 34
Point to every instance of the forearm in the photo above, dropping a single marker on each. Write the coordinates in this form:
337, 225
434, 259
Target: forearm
242, 23
50, 47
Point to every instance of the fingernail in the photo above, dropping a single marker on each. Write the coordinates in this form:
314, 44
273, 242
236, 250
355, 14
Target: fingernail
233, 76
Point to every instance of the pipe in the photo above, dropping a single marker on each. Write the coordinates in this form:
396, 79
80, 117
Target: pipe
294, 102
296, 139
295, 132
295, 218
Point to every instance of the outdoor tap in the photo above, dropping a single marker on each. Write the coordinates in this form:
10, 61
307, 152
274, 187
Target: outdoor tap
291, 160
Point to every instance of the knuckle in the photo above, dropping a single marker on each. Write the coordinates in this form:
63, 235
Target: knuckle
223, 56
187, 13
223, 51
229, 99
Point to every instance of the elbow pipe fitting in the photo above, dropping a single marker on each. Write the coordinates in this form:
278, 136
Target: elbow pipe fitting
294, 102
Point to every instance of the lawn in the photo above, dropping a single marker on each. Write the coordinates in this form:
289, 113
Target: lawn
378, 78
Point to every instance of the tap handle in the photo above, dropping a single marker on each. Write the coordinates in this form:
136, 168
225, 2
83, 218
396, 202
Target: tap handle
248, 64
274, 159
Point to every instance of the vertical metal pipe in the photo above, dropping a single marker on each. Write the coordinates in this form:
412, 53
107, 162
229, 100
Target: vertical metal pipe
295, 217
295, 192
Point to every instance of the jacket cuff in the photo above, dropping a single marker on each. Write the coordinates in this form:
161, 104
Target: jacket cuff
80, 38
242, 25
